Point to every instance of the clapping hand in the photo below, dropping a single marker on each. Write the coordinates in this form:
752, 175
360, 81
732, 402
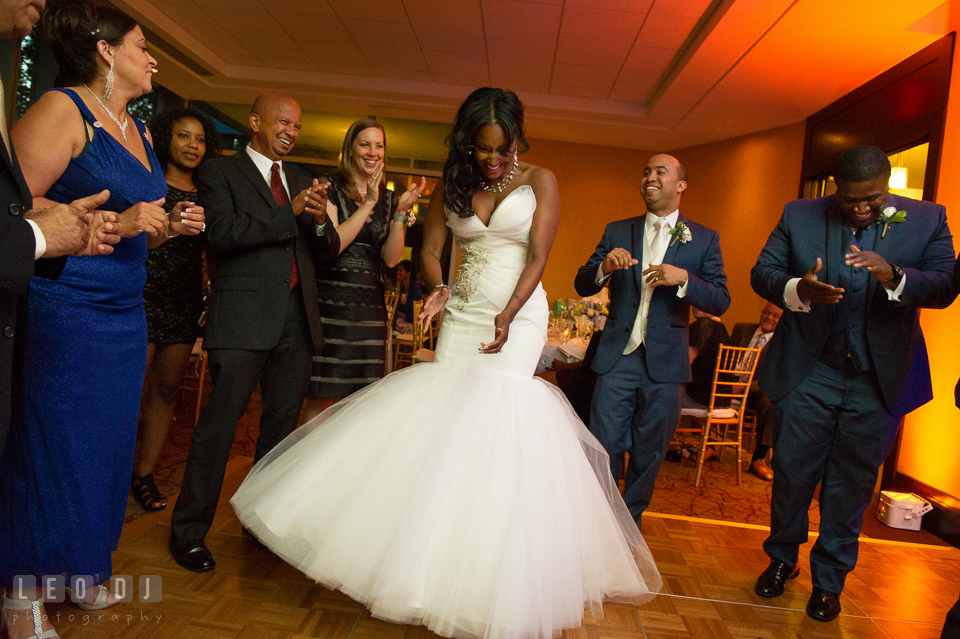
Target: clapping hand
810, 289
144, 217
187, 218
373, 183
76, 228
408, 198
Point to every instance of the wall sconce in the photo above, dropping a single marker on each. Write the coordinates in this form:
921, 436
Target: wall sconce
898, 177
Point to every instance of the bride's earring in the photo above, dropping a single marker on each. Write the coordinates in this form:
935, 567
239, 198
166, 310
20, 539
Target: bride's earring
108, 87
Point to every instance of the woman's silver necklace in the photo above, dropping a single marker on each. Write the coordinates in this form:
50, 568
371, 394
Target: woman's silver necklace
123, 127
499, 186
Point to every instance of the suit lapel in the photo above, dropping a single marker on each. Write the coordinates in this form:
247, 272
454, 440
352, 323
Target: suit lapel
249, 169
673, 244
14, 167
637, 251
834, 252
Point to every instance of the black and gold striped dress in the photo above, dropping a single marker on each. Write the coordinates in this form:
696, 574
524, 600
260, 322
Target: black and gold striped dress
351, 304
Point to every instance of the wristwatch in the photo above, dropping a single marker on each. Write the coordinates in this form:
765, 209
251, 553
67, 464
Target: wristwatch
897, 276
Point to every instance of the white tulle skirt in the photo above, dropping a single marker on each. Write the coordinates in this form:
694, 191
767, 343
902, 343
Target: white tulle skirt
455, 496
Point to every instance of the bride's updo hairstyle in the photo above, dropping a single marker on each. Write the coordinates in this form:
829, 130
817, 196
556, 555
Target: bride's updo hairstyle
461, 174
73, 28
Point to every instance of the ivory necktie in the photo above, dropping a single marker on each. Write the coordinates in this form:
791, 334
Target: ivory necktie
280, 195
659, 239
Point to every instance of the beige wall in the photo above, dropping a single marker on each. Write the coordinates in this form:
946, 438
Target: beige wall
737, 187
931, 434
598, 185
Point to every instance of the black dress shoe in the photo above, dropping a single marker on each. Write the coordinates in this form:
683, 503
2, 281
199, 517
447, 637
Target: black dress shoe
770, 583
191, 554
823, 605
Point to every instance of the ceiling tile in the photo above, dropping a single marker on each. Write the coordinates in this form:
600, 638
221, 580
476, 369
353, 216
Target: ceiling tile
467, 41
634, 6
581, 76
577, 91
336, 57
634, 87
648, 60
600, 25
521, 18
460, 14
241, 5
300, 7
386, 10
376, 35
592, 53
307, 30
202, 26
444, 62
521, 80
665, 31
680, 8
401, 71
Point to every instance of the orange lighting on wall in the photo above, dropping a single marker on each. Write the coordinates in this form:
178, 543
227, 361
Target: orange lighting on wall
898, 177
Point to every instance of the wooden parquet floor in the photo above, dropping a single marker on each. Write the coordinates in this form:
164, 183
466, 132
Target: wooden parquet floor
898, 591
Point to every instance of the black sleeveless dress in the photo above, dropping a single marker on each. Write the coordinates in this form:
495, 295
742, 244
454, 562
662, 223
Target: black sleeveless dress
351, 304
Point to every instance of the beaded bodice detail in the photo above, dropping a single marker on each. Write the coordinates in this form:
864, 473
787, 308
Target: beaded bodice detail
492, 255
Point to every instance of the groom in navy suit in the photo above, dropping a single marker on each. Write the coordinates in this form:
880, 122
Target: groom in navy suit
658, 264
847, 360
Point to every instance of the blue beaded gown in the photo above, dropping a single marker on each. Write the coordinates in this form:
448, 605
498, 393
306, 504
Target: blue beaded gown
65, 472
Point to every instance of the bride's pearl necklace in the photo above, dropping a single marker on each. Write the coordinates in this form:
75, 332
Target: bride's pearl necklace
123, 127
499, 186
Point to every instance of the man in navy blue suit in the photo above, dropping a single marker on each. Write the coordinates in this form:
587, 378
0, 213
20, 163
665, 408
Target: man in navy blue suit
848, 359
659, 265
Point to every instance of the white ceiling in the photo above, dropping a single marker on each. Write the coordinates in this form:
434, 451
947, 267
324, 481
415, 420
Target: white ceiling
650, 74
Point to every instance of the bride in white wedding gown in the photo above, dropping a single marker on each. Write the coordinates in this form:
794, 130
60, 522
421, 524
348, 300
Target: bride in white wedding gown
463, 494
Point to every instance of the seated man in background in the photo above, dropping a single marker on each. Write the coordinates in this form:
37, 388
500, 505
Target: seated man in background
749, 335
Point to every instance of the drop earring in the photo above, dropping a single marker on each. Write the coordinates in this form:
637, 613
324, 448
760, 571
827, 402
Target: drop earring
108, 87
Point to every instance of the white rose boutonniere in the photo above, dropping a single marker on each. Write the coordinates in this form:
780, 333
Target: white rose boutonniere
680, 232
890, 215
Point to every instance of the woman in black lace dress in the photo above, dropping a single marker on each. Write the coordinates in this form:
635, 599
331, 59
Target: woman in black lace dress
372, 222
173, 295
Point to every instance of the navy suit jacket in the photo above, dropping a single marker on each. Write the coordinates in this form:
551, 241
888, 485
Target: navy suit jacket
666, 341
921, 245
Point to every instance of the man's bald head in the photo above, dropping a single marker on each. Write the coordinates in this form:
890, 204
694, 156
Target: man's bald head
275, 122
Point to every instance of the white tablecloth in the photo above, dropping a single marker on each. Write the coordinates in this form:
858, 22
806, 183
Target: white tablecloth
573, 351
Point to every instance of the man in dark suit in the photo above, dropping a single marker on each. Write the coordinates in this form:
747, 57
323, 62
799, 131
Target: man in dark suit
264, 318
27, 235
659, 264
747, 335
847, 360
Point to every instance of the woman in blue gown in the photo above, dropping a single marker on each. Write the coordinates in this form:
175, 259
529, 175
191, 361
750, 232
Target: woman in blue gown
65, 471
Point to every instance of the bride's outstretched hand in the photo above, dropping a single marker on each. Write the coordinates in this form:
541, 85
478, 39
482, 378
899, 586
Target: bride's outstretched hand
501, 325
433, 304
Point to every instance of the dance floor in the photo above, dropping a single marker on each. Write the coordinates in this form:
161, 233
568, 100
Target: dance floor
899, 590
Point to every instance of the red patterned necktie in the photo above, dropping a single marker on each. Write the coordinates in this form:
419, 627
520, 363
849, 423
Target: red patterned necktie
280, 195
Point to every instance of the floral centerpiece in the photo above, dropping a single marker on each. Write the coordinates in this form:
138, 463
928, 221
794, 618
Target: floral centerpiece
592, 310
